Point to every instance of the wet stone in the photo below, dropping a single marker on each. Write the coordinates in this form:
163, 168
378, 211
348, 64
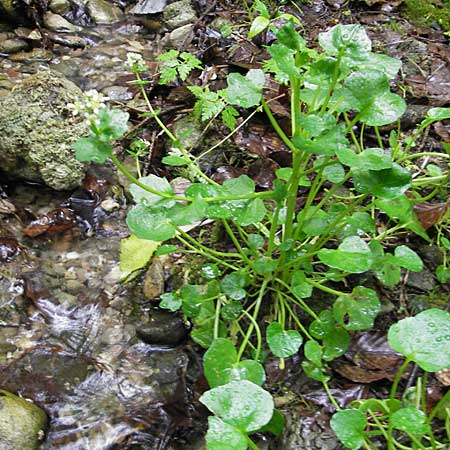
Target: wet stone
180, 37
59, 6
149, 6
103, 12
118, 93
12, 45
162, 327
179, 13
21, 423
423, 281
55, 22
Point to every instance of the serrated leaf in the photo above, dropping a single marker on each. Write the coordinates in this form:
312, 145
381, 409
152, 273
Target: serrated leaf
349, 426
283, 343
91, 149
135, 253
424, 339
241, 404
245, 91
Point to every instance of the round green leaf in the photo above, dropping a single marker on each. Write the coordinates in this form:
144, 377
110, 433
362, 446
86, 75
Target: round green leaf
218, 362
424, 339
245, 91
353, 255
221, 436
369, 159
407, 258
313, 352
385, 109
386, 184
438, 113
147, 224
349, 426
241, 404
251, 213
147, 198
411, 420
91, 149
248, 370
170, 301
283, 343
335, 344
358, 310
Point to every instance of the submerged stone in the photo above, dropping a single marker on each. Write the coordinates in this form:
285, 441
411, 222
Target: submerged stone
149, 6
22, 423
38, 130
103, 12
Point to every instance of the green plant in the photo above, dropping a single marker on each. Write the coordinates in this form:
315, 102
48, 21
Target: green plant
424, 340
283, 255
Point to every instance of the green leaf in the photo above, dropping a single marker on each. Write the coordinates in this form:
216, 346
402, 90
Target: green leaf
252, 213
443, 274
358, 310
135, 253
349, 426
314, 372
411, 420
438, 114
384, 63
299, 285
166, 249
369, 159
231, 311
335, 343
287, 36
259, 24
259, 6
265, 265
386, 184
349, 41
209, 271
91, 149
284, 59
229, 115
221, 436
176, 161
369, 93
233, 285
424, 339
313, 352
146, 223
256, 241
353, 255
218, 362
283, 343
113, 124
407, 258
245, 91
147, 198
170, 301
276, 424
241, 404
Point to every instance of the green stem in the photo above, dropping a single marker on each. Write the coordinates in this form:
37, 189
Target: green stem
217, 318
236, 242
325, 288
378, 135
442, 402
258, 335
262, 291
330, 396
252, 444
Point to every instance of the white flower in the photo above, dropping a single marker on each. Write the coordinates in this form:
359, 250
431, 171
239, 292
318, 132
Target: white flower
89, 107
135, 62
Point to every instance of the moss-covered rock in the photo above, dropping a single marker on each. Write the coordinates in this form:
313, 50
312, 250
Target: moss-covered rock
37, 131
429, 12
22, 423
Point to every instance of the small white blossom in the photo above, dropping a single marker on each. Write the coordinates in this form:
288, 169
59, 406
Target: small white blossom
135, 62
89, 107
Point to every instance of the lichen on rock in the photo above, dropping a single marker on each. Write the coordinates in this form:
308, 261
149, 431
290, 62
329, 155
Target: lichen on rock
37, 131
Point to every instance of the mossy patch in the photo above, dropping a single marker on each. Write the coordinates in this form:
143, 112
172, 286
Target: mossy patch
429, 12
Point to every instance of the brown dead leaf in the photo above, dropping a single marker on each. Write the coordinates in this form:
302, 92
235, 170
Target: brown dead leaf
430, 214
59, 219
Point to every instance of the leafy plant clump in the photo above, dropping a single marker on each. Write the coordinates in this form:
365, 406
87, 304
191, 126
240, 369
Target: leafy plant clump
284, 254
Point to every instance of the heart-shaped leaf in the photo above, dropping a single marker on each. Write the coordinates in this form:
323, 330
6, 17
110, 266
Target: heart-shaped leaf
407, 258
147, 223
283, 343
241, 404
221, 436
221, 365
353, 255
424, 339
386, 184
411, 420
349, 426
358, 310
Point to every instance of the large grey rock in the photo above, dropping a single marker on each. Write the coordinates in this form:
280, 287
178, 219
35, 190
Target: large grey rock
55, 22
179, 13
103, 12
149, 6
37, 131
13, 45
22, 423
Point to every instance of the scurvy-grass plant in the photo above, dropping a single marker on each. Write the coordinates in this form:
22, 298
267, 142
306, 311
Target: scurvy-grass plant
283, 255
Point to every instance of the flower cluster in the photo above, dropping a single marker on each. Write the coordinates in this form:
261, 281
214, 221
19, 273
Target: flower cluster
135, 62
89, 107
